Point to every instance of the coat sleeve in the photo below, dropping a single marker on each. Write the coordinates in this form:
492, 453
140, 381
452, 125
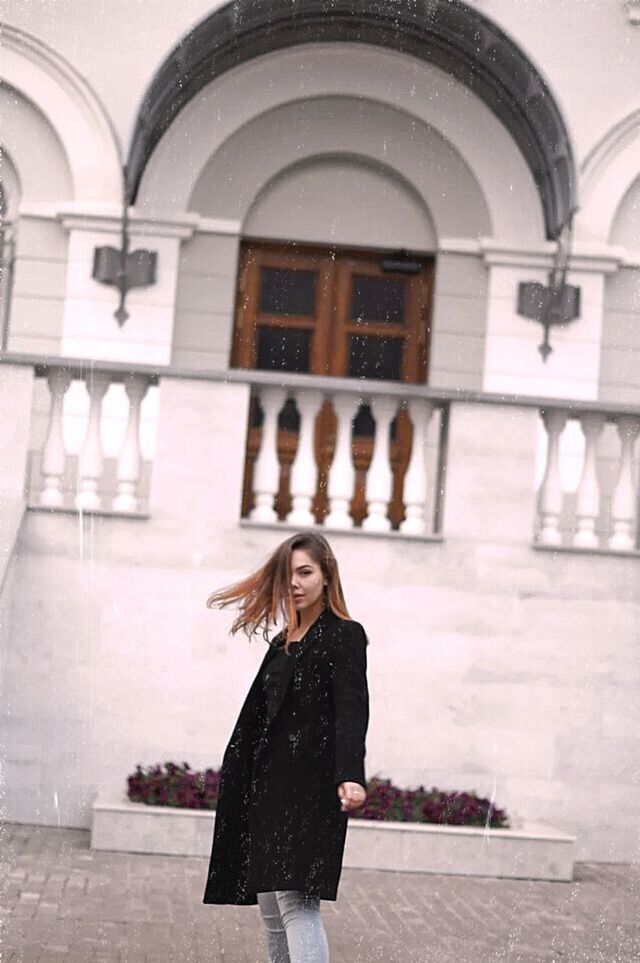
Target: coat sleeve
351, 703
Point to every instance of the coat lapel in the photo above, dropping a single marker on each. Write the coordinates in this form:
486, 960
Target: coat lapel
298, 652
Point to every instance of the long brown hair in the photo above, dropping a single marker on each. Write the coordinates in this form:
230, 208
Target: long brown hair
266, 593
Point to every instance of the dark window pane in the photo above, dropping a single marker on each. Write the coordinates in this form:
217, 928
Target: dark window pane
282, 349
365, 426
256, 416
363, 423
377, 299
289, 418
287, 292
373, 357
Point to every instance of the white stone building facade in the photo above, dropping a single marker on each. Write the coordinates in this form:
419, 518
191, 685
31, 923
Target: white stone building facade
296, 168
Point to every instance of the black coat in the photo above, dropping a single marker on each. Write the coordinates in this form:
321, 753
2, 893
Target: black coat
279, 823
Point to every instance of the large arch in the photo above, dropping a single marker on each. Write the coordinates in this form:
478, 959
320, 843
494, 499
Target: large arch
371, 76
71, 111
608, 173
236, 175
447, 33
29, 144
370, 206
10, 186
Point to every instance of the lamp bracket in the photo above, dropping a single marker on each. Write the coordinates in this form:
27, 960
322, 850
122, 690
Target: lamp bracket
122, 268
555, 304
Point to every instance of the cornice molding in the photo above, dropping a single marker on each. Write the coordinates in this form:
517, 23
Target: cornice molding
593, 258
138, 226
107, 217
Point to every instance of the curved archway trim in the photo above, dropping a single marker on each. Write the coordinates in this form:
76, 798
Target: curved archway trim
71, 108
608, 172
448, 33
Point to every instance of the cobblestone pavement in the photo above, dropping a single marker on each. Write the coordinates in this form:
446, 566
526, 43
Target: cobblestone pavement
60, 901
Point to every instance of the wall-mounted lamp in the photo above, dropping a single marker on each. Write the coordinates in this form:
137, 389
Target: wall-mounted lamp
124, 269
556, 303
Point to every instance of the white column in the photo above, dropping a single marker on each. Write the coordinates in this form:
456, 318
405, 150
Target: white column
130, 459
415, 479
304, 470
53, 453
550, 498
588, 498
379, 477
625, 498
266, 470
90, 462
341, 473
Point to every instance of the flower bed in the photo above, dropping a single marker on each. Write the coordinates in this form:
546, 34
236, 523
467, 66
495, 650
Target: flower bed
183, 788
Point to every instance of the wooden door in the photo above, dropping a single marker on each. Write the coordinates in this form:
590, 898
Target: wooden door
331, 312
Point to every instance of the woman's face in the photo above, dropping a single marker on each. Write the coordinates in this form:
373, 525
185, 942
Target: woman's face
307, 580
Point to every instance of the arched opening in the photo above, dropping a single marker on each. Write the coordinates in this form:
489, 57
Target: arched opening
447, 33
5, 262
9, 206
45, 97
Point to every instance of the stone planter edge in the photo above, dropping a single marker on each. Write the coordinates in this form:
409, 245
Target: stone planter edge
529, 851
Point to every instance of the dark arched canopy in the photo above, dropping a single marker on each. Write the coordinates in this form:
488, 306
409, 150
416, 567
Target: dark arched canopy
447, 33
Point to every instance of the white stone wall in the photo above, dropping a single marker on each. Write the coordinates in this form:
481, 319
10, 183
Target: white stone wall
493, 666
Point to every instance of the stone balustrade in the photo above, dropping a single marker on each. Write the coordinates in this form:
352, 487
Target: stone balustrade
600, 512
76, 474
420, 481
586, 499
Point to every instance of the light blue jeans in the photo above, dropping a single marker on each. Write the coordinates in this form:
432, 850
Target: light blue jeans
295, 932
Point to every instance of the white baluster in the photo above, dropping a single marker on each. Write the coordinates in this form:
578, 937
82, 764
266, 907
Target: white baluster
53, 453
266, 470
625, 499
304, 470
415, 479
588, 499
379, 477
130, 459
341, 473
90, 462
550, 501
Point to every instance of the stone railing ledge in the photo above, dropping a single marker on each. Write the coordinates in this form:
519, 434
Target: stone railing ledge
119, 370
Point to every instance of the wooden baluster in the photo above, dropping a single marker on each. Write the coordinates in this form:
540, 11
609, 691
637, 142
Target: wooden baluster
266, 470
415, 479
341, 473
129, 467
303, 480
625, 497
379, 477
90, 462
54, 454
588, 498
550, 497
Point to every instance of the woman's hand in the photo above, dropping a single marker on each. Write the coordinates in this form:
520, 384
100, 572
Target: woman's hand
352, 795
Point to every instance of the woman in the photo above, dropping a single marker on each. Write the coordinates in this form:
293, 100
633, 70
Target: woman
294, 765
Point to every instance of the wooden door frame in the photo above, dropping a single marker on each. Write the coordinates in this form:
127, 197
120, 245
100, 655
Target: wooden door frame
277, 253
